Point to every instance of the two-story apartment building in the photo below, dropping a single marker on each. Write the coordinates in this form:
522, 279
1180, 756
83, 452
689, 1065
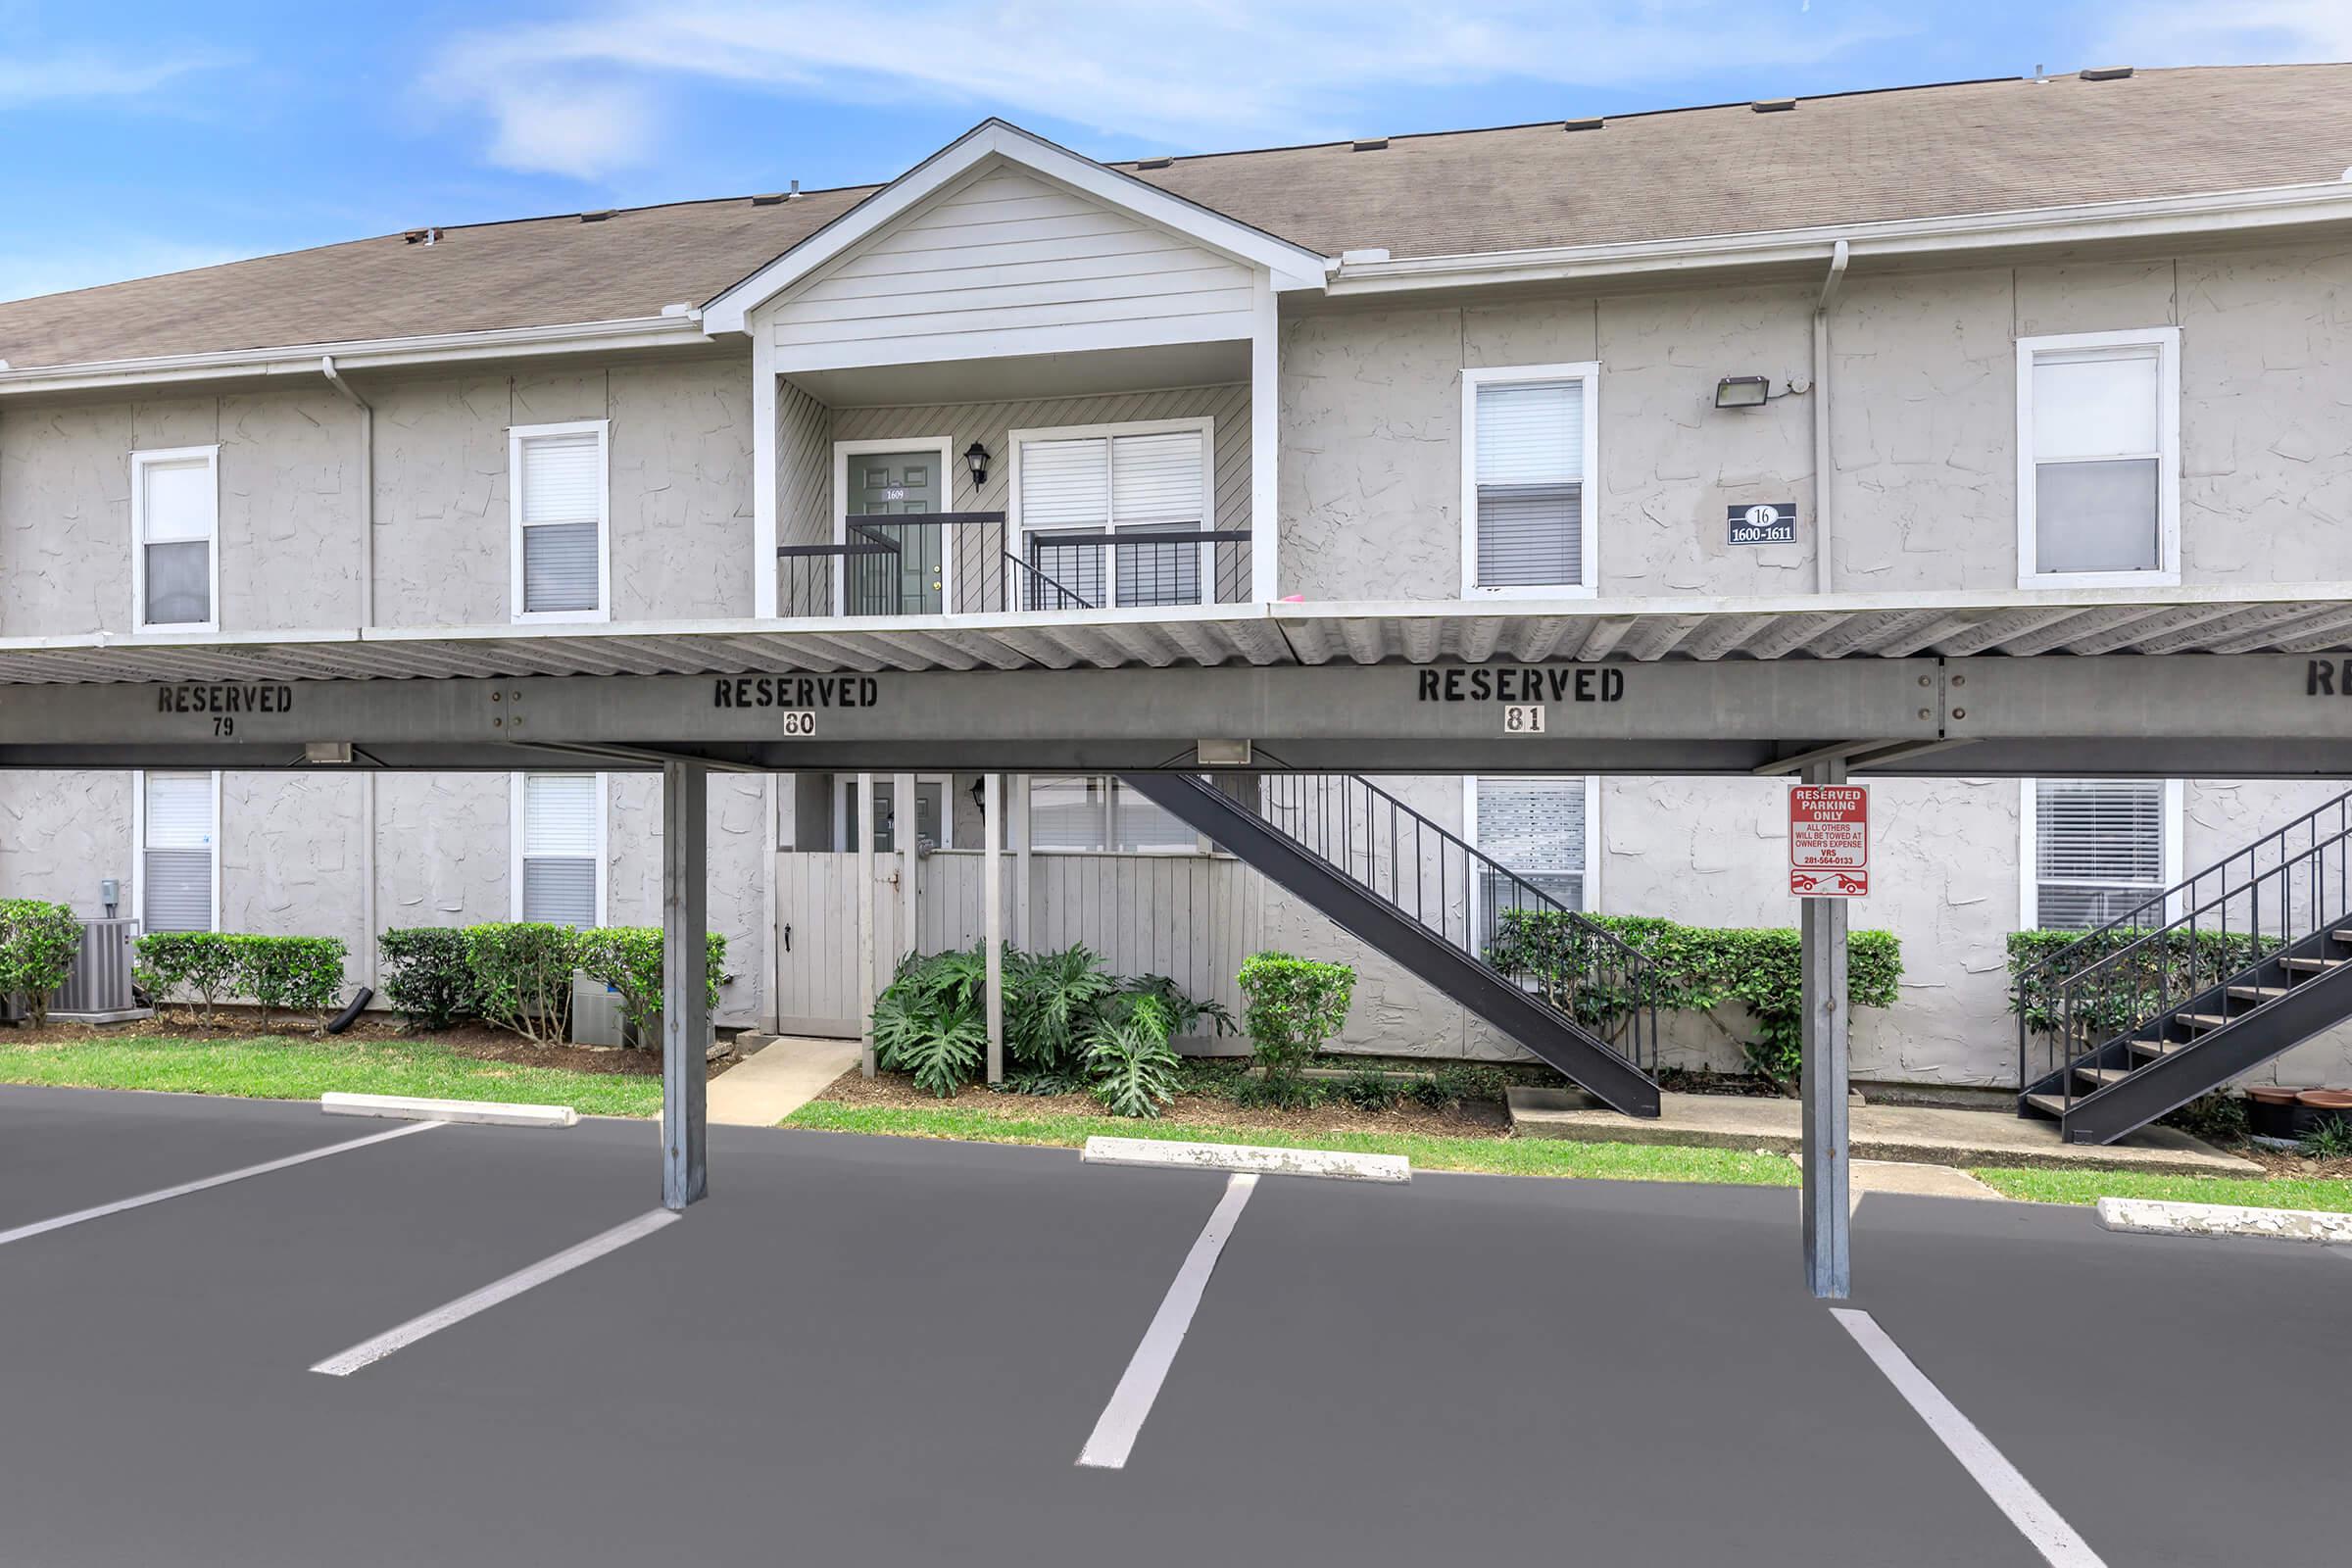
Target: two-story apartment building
2077, 351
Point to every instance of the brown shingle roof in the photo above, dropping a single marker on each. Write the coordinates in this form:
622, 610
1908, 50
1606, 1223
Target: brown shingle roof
1967, 147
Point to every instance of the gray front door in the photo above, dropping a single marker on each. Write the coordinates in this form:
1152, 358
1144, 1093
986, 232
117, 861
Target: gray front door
897, 485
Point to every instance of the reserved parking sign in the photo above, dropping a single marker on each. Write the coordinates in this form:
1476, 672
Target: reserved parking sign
1829, 840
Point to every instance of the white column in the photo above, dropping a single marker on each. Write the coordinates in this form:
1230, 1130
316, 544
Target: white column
1265, 435
1822, 924
685, 981
764, 473
1024, 936
902, 838
862, 825
992, 893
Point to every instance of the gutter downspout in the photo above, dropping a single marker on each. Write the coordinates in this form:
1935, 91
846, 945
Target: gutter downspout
1823, 482
368, 932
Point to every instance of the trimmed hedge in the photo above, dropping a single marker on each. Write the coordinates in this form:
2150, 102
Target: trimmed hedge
301, 973
1697, 970
2147, 972
516, 975
1293, 1005
38, 942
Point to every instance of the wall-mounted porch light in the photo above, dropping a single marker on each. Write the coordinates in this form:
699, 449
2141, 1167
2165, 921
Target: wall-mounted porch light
1742, 391
975, 457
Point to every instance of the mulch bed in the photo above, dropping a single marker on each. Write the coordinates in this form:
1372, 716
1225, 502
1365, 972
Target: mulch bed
477, 1041
2280, 1162
1471, 1119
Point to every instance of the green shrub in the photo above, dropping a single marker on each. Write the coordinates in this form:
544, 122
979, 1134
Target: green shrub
2330, 1138
1692, 969
628, 958
2119, 977
1135, 1069
931, 1020
2219, 1117
1294, 1005
428, 976
1069, 1024
187, 966
302, 973
1290, 1091
1370, 1089
38, 942
1459, 1082
522, 977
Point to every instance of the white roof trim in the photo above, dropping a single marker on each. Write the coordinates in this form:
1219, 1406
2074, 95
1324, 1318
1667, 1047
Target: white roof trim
360, 354
2209, 213
1291, 266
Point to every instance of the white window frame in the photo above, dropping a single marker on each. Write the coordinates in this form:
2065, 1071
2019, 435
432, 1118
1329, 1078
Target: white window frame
1592, 870
517, 436
139, 843
2166, 341
842, 450
2029, 865
845, 801
1589, 521
140, 463
1205, 423
1112, 787
518, 808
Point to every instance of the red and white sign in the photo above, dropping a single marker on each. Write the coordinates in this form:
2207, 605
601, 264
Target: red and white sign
1829, 840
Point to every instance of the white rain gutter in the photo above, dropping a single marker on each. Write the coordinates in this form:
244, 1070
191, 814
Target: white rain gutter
1824, 480
366, 508
2164, 217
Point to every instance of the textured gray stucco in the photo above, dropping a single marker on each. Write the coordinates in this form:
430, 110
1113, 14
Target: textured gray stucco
61, 834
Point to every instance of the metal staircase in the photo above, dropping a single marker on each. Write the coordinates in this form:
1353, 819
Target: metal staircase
2206, 980
1575, 995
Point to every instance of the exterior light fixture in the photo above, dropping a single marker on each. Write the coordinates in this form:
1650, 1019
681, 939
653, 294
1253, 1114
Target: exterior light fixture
1742, 391
975, 457
980, 784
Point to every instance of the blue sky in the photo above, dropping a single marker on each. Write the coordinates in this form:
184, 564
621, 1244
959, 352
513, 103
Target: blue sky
143, 138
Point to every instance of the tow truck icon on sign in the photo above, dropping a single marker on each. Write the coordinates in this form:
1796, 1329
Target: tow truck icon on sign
1806, 882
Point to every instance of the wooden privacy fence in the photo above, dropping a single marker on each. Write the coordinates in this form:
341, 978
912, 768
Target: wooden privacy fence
1192, 918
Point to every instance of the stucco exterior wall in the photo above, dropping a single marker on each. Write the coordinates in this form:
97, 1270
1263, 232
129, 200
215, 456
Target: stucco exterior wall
1923, 425
61, 834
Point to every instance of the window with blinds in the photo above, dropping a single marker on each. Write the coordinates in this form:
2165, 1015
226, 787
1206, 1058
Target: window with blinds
1528, 450
1153, 481
176, 851
1536, 829
2099, 848
177, 501
559, 483
562, 825
2097, 422
1099, 813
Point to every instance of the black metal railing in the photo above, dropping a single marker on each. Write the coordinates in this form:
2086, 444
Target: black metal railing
1432, 876
2195, 939
962, 562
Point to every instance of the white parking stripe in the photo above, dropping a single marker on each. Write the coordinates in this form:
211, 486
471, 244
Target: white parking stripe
2009, 1490
369, 1352
40, 1227
1131, 1402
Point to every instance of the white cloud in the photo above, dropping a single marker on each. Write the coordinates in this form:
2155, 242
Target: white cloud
25, 273
2251, 31
26, 80
578, 97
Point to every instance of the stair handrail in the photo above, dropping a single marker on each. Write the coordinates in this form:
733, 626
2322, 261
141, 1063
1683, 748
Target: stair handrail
2071, 1049
2163, 900
1647, 987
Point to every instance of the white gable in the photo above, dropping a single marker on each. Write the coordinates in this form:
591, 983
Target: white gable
1008, 263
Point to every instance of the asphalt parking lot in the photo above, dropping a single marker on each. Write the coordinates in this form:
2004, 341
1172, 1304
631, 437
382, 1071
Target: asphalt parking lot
892, 1352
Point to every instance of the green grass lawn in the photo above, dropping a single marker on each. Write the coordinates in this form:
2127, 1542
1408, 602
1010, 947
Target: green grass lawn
1537, 1157
1515, 1156
2089, 1186
294, 1068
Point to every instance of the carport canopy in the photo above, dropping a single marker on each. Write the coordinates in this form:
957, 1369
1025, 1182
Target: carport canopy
2070, 684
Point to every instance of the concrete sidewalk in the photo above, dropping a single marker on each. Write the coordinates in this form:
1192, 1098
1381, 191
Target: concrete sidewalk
1929, 1134
777, 1080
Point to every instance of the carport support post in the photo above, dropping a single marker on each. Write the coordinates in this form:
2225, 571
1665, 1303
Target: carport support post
1822, 941
992, 893
864, 827
685, 981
